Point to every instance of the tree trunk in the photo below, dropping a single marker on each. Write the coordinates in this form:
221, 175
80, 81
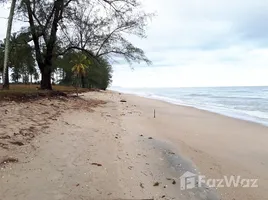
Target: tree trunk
83, 85
46, 79
77, 80
6, 80
8, 34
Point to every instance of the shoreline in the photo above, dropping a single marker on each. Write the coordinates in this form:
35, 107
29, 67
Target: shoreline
265, 124
218, 145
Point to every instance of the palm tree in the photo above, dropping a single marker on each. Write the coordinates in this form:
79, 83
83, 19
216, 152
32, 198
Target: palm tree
79, 69
8, 35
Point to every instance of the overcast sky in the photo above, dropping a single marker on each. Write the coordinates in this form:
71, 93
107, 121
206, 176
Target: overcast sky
202, 43
199, 43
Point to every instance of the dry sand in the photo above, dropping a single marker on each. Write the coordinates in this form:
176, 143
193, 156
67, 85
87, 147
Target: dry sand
64, 150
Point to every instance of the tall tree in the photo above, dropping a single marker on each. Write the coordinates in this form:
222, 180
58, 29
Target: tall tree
59, 26
8, 35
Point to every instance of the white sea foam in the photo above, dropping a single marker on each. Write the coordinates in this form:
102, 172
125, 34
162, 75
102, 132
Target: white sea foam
247, 103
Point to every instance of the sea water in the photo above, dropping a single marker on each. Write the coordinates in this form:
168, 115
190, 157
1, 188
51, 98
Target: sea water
246, 103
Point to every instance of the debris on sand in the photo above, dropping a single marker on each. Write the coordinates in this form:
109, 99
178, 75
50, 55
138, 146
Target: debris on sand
173, 180
141, 185
97, 164
17, 143
144, 173
7, 160
123, 101
156, 184
150, 138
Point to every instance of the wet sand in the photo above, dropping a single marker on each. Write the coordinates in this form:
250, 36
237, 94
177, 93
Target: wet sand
118, 150
218, 145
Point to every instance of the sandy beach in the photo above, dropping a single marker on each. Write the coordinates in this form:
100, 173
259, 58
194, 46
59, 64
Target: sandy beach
99, 147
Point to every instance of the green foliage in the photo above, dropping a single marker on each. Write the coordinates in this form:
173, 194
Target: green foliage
81, 63
91, 74
100, 75
21, 60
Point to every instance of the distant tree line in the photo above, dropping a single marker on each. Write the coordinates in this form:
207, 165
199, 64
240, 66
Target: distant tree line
21, 61
23, 67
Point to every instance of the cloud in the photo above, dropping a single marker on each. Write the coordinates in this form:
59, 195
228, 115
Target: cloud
197, 23
222, 42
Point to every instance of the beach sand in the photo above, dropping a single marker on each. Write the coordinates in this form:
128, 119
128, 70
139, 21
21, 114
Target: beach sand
74, 149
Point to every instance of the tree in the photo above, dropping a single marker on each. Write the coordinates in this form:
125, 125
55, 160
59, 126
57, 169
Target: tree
8, 35
21, 62
79, 69
95, 27
16, 75
98, 74
81, 64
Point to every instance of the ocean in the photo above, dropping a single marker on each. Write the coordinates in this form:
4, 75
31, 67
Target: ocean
246, 103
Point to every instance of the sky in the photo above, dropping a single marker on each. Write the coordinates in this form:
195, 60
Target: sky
197, 43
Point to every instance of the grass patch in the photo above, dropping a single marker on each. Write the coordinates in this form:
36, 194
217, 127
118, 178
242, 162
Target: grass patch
20, 92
